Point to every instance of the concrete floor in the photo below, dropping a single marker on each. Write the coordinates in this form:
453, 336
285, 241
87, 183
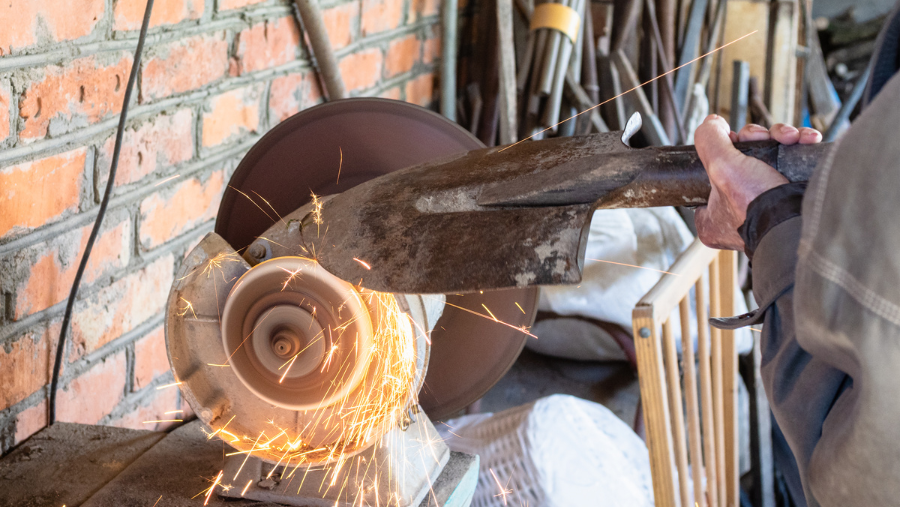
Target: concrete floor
535, 376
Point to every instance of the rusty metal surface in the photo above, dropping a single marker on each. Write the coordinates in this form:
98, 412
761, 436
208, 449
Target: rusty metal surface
422, 230
375, 137
643, 178
515, 217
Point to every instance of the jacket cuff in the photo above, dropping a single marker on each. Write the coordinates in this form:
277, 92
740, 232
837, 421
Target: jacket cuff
769, 209
773, 272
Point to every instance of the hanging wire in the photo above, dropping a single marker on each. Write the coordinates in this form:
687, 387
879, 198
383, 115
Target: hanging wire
110, 183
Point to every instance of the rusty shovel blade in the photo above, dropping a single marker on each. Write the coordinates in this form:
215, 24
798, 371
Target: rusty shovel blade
506, 217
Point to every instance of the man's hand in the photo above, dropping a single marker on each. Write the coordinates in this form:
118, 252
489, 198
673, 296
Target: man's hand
736, 178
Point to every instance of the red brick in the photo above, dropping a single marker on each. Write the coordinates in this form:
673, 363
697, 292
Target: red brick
121, 307
161, 405
82, 92
231, 115
129, 14
95, 393
36, 193
30, 421
393, 93
163, 142
267, 44
432, 50
423, 8
361, 70
292, 93
46, 271
421, 90
402, 55
381, 15
184, 65
236, 4
30, 22
150, 358
25, 365
163, 217
340, 22
5, 98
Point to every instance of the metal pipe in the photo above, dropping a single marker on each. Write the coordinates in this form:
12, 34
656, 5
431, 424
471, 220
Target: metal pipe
311, 17
449, 23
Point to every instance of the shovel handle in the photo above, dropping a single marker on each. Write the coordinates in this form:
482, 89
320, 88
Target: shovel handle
674, 176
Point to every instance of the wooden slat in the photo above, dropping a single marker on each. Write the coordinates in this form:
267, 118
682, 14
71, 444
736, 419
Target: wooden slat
706, 402
688, 267
690, 398
675, 411
782, 60
728, 287
742, 18
716, 349
656, 411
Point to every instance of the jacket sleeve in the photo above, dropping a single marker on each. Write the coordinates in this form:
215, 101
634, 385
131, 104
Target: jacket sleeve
800, 388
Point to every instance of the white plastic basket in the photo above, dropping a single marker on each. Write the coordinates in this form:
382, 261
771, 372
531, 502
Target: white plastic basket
559, 451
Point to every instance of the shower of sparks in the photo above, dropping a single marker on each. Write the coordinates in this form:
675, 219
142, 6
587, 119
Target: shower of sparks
384, 396
504, 491
630, 90
363, 263
634, 266
168, 385
213, 487
340, 164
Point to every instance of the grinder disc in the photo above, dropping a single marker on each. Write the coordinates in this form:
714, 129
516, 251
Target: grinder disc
337, 145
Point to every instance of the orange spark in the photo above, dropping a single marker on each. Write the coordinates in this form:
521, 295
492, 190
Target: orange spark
629, 91
520, 307
168, 385
154, 505
290, 278
213, 487
340, 164
170, 178
633, 266
244, 491
163, 421
489, 312
503, 491
523, 329
363, 263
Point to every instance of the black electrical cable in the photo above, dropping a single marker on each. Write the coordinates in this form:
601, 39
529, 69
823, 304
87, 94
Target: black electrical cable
110, 183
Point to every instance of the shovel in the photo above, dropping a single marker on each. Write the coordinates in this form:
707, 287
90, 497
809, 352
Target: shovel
502, 217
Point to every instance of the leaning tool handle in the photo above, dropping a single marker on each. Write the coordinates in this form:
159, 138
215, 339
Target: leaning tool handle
674, 176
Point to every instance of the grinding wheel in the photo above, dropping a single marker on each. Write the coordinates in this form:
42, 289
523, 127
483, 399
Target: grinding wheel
335, 146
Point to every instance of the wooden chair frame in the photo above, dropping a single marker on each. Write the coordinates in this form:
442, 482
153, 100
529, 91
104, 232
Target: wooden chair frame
710, 406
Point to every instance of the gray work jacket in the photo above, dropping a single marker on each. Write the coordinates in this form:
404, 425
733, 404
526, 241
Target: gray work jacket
828, 287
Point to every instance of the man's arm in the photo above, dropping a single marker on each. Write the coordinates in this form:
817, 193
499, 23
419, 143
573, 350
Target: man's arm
753, 208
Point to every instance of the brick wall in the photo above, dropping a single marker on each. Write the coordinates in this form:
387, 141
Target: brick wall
216, 74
